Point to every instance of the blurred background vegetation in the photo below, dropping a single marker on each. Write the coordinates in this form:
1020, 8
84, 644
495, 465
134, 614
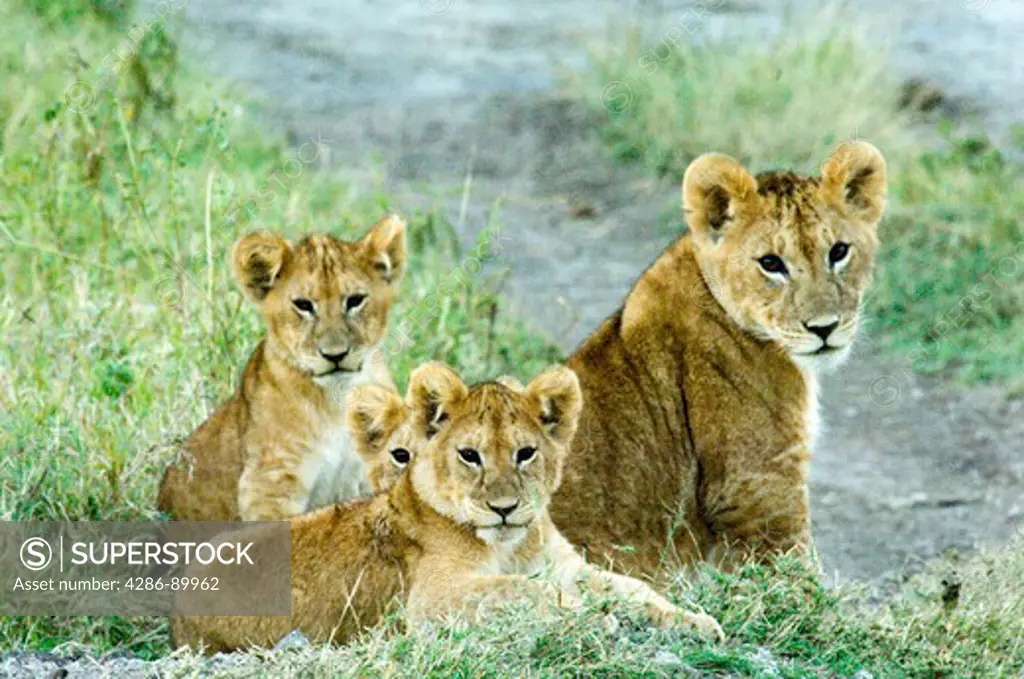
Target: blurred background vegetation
954, 216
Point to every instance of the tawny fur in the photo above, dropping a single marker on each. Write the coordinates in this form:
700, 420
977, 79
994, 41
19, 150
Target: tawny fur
433, 542
699, 394
280, 446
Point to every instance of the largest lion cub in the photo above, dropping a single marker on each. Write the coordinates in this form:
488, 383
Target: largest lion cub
280, 446
700, 405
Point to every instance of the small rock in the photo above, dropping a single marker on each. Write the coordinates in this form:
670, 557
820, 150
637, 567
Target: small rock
863, 674
911, 501
667, 659
293, 641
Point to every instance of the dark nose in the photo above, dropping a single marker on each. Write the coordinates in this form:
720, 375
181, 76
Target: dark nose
335, 358
505, 511
822, 331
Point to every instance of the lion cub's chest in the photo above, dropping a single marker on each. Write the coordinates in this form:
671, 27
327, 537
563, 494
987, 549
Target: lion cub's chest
332, 470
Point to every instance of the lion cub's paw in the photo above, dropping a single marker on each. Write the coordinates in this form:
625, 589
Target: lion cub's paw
704, 624
667, 616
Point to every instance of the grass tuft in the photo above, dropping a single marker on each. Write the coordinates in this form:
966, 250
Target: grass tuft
671, 96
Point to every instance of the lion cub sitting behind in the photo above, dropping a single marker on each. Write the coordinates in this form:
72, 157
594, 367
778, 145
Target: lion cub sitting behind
383, 433
280, 446
465, 527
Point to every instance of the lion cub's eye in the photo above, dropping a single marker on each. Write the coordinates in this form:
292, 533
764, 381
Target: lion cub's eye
304, 306
524, 455
401, 456
773, 264
470, 456
838, 253
353, 302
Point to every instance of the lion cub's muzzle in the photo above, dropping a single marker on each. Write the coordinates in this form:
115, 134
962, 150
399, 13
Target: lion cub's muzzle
507, 522
825, 335
339, 361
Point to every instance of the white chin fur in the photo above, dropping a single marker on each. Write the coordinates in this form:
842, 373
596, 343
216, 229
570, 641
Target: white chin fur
508, 535
821, 363
334, 379
338, 384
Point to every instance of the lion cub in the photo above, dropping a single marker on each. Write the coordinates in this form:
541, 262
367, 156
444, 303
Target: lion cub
700, 393
383, 433
464, 528
280, 446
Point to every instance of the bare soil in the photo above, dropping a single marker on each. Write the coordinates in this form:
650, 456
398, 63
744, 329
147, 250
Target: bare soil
428, 94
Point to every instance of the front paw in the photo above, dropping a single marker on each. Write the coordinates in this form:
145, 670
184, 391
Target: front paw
703, 624
666, 616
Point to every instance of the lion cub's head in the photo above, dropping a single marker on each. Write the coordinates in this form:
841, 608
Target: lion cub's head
383, 433
325, 301
494, 453
789, 257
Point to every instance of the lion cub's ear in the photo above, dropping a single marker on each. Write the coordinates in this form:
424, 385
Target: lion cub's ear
373, 413
714, 188
257, 260
434, 389
385, 245
854, 177
557, 397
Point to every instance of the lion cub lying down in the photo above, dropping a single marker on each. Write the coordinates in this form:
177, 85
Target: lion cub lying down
383, 432
464, 528
279, 447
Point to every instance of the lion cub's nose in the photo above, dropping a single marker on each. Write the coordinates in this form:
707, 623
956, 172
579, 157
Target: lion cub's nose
503, 510
334, 358
822, 327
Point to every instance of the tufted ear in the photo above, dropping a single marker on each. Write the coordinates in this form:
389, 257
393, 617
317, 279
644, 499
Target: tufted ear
373, 413
257, 260
714, 187
434, 389
558, 400
385, 245
854, 176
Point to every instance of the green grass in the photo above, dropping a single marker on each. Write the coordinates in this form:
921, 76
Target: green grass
780, 623
954, 214
120, 337
668, 97
951, 274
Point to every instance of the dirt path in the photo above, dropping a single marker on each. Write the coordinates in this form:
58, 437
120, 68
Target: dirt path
429, 92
